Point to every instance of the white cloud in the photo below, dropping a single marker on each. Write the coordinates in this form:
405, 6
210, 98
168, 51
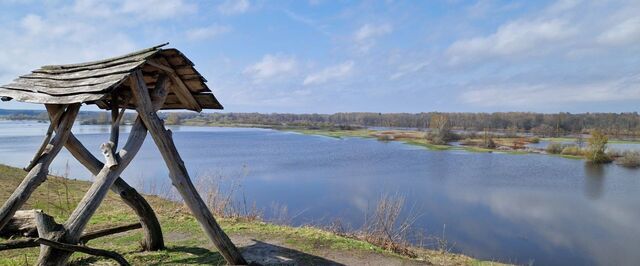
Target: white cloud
406, 69
209, 32
158, 9
234, 7
56, 37
366, 35
519, 37
139, 9
563, 5
271, 66
625, 32
330, 73
530, 96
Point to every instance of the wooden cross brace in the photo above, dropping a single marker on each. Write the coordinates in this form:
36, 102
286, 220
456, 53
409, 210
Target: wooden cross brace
107, 176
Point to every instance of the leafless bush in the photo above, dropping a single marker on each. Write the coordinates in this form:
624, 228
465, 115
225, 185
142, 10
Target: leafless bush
386, 228
225, 197
629, 159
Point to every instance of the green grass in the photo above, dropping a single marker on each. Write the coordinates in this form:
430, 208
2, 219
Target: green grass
185, 242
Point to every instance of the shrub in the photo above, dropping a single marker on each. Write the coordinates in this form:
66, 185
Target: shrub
613, 153
488, 143
554, 148
630, 159
597, 147
467, 142
572, 150
534, 140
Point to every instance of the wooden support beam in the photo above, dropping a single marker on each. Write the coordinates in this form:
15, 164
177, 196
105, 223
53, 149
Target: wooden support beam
30, 242
179, 88
38, 173
48, 230
178, 172
23, 223
109, 156
116, 119
83, 249
109, 231
95, 195
153, 238
47, 138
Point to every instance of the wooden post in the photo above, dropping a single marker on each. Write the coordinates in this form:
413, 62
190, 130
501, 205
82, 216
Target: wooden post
38, 173
178, 172
153, 238
97, 192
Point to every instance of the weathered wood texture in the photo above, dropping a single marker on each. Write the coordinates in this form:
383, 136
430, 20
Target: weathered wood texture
93, 82
178, 172
48, 229
97, 192
38, 173
153, 238
23, 224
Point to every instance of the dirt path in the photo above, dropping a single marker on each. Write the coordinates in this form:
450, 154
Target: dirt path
276, 252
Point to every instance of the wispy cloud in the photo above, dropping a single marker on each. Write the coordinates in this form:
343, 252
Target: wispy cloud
365, 37
532, 95
234, 7
515, 38
204, 33
139, 9
624, 32
271, 66
330, 73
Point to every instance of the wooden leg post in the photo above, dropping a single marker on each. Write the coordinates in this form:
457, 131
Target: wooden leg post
153, 238
178, 172
97, 192
39, 171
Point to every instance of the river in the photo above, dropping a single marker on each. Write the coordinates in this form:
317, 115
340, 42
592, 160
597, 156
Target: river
538, 209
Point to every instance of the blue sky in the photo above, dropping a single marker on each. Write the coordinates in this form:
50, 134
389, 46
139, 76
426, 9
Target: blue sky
336, 56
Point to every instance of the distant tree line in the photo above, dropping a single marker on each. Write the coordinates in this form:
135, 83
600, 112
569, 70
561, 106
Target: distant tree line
558, 124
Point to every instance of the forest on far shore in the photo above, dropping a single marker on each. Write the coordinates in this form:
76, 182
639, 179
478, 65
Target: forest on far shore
543, 124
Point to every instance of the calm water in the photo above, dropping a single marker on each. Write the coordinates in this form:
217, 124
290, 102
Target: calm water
514, 208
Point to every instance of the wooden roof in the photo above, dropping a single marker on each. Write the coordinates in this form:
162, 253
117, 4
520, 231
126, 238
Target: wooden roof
94, 82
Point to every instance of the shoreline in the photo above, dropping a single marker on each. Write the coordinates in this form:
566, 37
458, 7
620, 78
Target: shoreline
182, 233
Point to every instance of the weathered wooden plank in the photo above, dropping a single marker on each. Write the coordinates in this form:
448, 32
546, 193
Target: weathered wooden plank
126, 60
36, 97
119, 69
71, 83
196, 85
97, 88
178, 173
179, 88
38, 174
175, 57
205, 100
105, 60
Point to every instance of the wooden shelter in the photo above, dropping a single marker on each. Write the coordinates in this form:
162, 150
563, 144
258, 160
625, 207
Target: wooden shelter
149, 80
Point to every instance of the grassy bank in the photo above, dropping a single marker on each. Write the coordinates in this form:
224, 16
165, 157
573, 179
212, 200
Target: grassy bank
406, 136
262, 242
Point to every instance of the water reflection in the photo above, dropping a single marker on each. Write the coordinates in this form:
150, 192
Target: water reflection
513, 208
594, 180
